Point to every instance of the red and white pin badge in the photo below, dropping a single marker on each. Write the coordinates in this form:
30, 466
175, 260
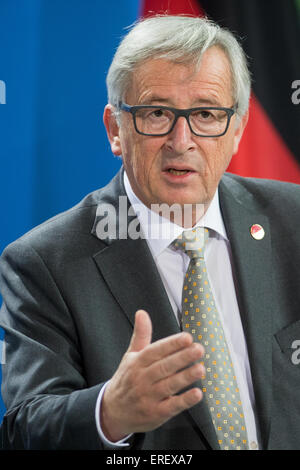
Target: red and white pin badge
257, 232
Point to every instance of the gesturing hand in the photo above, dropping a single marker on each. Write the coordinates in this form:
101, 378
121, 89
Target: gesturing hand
142, 394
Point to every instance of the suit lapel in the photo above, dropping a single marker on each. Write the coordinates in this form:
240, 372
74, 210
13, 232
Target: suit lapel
127, 265
130, 272
253, 270
133, 279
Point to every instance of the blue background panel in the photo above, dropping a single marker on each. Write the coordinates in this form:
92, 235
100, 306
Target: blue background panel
54, 57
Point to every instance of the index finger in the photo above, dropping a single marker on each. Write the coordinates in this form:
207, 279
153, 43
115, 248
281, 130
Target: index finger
164, 347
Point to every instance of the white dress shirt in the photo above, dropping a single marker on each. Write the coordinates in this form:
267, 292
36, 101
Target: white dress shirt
172, 266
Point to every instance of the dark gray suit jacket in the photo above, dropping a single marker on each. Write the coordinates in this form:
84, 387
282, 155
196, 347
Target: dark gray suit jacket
68, 313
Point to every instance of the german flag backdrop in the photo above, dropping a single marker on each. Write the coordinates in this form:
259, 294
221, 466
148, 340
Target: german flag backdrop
270, 35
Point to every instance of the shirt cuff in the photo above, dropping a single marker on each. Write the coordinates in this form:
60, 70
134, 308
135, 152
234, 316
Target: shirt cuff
108, 444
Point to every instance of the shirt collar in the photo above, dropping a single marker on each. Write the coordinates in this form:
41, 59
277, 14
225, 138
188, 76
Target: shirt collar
161, 232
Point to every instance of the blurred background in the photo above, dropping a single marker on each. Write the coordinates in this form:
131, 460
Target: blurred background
54, 56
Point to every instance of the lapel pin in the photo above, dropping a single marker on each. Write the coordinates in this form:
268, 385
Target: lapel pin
257, 232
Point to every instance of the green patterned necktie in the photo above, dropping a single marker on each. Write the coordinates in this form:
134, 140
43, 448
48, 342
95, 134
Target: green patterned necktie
200, 317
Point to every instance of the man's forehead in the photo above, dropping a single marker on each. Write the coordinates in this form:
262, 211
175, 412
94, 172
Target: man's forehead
155, 78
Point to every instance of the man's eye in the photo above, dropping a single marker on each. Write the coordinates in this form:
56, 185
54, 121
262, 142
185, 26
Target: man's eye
157, 113
204, 114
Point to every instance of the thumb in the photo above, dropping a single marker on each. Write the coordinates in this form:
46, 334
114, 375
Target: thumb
142, 333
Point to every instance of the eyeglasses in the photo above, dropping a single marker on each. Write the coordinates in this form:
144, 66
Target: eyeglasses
208, 121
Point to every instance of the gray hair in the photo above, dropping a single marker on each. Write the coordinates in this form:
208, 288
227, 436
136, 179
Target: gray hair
181, 39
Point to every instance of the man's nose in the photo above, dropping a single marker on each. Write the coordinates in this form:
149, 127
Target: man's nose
180, 139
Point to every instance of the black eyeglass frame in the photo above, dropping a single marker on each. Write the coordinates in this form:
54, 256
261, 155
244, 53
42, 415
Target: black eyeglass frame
178, 113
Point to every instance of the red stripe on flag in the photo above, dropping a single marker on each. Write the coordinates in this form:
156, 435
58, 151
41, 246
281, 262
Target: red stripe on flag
262, 152
170, 7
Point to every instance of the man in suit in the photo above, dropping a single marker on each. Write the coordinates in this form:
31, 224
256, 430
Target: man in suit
92, 308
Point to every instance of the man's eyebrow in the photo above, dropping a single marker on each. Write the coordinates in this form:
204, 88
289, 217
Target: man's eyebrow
167, 102
207, 102
156, 99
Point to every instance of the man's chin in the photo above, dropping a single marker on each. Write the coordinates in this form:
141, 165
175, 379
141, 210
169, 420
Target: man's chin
185, 199
181, 211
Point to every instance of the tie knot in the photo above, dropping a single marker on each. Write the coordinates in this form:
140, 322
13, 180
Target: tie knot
192, 242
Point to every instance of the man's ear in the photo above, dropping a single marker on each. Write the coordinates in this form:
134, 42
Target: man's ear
112, 129
239, 132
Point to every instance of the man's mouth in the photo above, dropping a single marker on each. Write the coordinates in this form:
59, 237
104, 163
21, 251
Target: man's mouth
173, 171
